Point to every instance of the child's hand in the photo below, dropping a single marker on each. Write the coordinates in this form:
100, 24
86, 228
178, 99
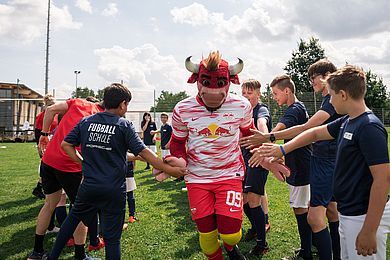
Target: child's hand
366, 242
175, 167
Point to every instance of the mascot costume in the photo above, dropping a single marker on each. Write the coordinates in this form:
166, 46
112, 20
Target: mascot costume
206, 130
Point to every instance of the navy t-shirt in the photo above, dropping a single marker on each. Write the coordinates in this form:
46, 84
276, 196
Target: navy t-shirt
259, 111
299, 160
105, 139
362, 142
166, 132
327, 148
148, 137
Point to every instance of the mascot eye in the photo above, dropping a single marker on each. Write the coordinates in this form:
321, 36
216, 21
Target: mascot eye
206, 82
221, 83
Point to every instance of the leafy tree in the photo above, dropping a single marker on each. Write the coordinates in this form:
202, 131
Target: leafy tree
306, 54
376, 96
83, 92
100, 94
167, 101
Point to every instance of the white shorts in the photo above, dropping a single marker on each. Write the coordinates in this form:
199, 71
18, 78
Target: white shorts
165, 152
299, 196
130, 184
350, 227
153, 148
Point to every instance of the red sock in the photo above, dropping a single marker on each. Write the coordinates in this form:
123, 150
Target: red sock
216, 256
228, 247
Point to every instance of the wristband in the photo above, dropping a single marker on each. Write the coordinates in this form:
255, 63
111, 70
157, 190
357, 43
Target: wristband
282, 149
45, 134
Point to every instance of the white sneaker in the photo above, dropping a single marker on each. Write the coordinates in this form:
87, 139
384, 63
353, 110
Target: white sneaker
54, 230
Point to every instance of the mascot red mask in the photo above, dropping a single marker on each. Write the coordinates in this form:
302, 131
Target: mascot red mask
213, 76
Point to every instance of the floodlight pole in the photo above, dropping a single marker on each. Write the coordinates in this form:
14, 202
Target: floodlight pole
47, 50
76, 72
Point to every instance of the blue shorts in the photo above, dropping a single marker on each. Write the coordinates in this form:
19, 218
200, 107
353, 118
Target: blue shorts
255, 180
321, 181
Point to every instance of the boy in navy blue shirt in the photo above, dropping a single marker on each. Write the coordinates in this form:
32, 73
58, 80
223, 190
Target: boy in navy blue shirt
322, 163
362, 170
166, 133
105, 139
283, 92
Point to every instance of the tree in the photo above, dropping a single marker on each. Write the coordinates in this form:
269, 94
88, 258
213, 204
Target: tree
376, 96
306, 54
83, 92
167, 101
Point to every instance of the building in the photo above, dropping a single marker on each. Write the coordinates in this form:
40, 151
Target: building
19, 106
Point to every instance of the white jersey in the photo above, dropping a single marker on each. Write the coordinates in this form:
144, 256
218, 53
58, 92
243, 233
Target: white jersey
213, 151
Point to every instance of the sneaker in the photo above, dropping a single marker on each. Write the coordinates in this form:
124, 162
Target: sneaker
125, 226
37, 192
250, 235
100, 245
257, 251
70, 242
54, 230
132, 219
35, 255
87, 257
267, 227
235, 254
314, 251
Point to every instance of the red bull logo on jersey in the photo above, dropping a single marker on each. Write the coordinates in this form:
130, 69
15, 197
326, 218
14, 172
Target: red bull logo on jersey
214, 131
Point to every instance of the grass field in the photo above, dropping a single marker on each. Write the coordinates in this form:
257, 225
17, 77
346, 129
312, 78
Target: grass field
164, 229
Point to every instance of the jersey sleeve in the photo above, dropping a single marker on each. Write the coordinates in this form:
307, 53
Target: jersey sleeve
247, 119
179, 128
373, 144
328, 107
134, 142
74, 136
334, 127
290, 118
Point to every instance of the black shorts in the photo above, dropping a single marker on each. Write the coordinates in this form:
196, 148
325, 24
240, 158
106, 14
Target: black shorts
54, 180
255, 180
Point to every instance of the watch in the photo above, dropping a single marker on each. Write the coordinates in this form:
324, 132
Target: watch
45, 134
272, 137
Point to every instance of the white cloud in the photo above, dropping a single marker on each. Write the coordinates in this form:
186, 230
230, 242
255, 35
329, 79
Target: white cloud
195, 14
142, 68
25, 20
110, 10
84, 5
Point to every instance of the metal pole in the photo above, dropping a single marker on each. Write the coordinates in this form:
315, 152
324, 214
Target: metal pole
76, 72
47, 50
154, 104
17, 106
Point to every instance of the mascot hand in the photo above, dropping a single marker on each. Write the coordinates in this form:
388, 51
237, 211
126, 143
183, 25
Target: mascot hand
277, 167
171, 161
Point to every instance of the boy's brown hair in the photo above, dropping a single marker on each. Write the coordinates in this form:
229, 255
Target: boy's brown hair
321, 67
283, 82
349, 78
251, 84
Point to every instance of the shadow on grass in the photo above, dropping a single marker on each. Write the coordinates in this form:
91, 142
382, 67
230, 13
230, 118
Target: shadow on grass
20, 216
17, 203
12, 247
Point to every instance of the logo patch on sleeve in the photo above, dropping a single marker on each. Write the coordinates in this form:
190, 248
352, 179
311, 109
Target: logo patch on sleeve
348, 136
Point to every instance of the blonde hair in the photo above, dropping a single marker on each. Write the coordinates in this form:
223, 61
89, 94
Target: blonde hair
212, 61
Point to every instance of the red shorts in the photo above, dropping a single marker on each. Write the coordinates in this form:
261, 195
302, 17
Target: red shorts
222, 198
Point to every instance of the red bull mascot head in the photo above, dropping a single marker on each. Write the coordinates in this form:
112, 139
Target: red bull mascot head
213, 76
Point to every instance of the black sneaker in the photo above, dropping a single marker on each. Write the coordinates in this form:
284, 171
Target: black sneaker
250, 235
235, 254
37, 192
36, 255
314, 251
257, 251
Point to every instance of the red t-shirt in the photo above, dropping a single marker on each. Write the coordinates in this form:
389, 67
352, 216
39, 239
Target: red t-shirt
54, 156
39, 122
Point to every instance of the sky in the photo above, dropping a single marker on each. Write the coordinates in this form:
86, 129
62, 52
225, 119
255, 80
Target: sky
144, 43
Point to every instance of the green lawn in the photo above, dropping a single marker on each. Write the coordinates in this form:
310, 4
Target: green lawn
164, 229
